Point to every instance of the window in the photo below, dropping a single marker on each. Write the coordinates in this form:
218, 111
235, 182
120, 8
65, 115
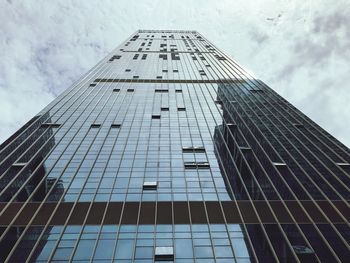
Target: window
164, 109
181, 109
256, 90
116, 125
149, 186
298, 125
92, 84
161, 90
243, 148
343, 164
130, 90
279, 164
164, 254
114, 57
156, 116
127, 70
116, 90
19, 164
198, 149
50, 124
95, 125
197, 165
302, 250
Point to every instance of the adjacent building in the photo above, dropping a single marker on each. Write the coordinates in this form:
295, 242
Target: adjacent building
168, 150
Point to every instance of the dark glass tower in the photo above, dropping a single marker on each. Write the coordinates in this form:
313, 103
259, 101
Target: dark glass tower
168, 150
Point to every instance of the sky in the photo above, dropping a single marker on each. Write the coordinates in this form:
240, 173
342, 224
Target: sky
300, 48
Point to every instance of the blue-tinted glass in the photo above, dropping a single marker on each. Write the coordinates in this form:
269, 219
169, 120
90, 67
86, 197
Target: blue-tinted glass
84, 250
183, 248
104, 249
203, 252
125, 249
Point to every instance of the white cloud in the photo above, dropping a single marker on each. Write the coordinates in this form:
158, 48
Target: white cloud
300, 48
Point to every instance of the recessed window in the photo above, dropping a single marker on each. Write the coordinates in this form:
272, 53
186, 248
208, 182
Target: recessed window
130, 90
95, 125
135, 77
197, 149
243, 148
164, 70
256, 90
150, 185
161, 90
50, 124
196, 165
164, 109
114, 57
302, 250
19, 164
92, 84
116, 125
159, 77
279, 164
175, 70
116, 90
156, 116
164, 254
298, 125
181, 109
127, 70
343, 164
178, 90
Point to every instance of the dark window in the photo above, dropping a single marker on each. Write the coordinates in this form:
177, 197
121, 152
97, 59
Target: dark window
149, 186
50, 124
156, 116
161, 90
164, 254
197, 165
197, 149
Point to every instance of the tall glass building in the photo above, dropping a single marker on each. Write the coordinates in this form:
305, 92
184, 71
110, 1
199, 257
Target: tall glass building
168, 150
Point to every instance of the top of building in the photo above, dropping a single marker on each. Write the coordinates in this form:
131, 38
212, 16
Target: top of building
166, 31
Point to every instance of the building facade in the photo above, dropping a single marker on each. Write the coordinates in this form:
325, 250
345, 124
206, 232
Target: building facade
168, 150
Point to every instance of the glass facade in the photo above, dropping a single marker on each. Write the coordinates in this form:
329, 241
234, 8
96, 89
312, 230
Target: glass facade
168, 150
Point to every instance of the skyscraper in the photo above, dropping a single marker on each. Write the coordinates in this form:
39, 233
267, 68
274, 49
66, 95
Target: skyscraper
168, 150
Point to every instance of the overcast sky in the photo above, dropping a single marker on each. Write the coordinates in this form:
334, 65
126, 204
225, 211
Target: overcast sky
301, 49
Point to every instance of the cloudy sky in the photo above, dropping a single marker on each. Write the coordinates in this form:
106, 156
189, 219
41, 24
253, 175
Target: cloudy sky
300, 48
